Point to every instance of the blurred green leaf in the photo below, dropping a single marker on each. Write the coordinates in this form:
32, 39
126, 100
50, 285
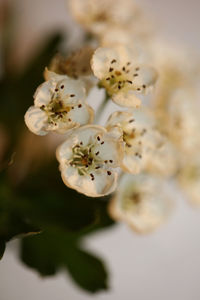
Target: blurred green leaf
41, 202
87, 270
2, 248
17, 89
53, 250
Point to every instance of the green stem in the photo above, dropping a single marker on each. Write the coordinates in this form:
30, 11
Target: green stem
101, 107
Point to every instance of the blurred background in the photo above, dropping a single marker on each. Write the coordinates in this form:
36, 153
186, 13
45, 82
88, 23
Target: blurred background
164, 265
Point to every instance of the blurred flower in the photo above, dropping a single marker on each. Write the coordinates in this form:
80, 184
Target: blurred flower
58, 105
88, 160
189, 180
145, 148
76, 65
179, 119
142, 201
97, 16
121, 76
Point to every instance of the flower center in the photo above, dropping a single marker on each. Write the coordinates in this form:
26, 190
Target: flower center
123, 78
86, 159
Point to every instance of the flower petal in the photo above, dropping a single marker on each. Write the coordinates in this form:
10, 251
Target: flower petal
143, 201
82, 114
43, 94
36, 120
127, 99
102, 184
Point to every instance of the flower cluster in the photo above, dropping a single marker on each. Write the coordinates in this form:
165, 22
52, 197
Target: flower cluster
148, 138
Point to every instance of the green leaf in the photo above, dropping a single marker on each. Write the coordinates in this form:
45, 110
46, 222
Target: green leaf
53, 250
87, 270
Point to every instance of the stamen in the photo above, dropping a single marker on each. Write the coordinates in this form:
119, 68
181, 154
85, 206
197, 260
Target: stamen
113, 61
109, 173
105, 161
62, 87
110, 160
80, 105
56, 90
111, 69
118, 73
131, 121
102, 143
97, 153
98, 138
72, 95
135, 75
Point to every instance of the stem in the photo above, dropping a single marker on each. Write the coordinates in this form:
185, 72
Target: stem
101, 107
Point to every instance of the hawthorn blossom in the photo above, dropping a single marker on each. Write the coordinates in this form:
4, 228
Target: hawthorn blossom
123, 78
58, 106
142, 201
144, 146
189, 179
88, 160
97, 16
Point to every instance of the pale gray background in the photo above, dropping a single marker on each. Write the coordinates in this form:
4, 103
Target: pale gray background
161, 266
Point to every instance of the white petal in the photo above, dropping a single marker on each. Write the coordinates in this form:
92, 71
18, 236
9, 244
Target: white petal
88, 133
126, 99
102, 184
82, 114
108, 151
151, 207
71, 90
102, 59
43, 94
132, 163
64, 151
36, 120
147, 76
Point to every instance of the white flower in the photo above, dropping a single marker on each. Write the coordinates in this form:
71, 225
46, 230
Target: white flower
58, 106
182, 120
122, 77
142, 201
88, 160
144, 146
97, 16
189, 179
